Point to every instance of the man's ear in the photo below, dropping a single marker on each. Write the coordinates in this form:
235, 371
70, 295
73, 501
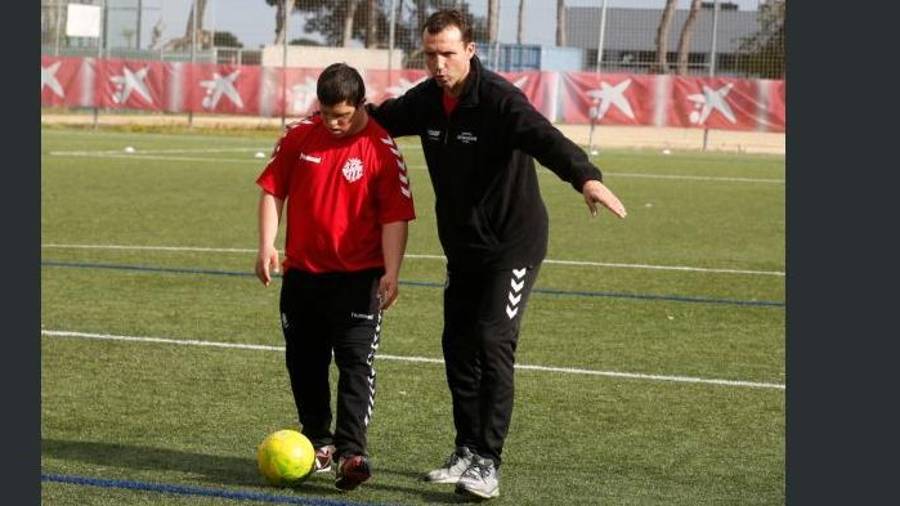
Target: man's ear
470, 50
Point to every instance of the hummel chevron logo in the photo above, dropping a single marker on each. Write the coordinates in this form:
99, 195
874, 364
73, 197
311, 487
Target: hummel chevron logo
313, 159
516, 286
511, 312
514, 300
395, 151
388, 141
518, 273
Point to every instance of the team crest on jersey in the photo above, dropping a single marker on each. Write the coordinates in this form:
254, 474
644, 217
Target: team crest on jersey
353, 169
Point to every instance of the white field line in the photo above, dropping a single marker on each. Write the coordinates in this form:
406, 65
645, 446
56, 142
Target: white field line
154, 155
413, 359
694, 178
421, 257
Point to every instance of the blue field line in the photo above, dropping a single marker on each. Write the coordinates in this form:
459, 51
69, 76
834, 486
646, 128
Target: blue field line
547, 291
236, 495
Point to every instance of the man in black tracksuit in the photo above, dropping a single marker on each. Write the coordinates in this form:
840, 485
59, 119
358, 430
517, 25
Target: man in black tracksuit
480, 136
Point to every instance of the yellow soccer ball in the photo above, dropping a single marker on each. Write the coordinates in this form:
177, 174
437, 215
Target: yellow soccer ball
285, 458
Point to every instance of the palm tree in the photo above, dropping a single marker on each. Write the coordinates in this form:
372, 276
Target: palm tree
662, 36
348, 22
521, 22
684, 41
493, 20
184, 42
283, 9
371, 19
560, 22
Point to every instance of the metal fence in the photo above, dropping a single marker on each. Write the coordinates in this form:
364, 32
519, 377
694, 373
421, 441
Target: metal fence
742, 38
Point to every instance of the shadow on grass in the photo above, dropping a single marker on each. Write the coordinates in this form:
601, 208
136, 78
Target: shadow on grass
233, 471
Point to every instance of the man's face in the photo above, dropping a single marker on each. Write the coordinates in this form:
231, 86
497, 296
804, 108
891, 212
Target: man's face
341, 119
447, 58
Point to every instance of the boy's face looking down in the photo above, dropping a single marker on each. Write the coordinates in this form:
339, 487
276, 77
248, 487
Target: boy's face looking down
343, 119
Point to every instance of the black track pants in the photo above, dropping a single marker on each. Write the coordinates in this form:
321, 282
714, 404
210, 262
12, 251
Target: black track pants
482, 313
321, 313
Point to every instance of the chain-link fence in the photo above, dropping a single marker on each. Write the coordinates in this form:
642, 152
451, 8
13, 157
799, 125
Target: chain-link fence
743, 38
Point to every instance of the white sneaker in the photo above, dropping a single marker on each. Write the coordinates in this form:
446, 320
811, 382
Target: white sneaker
324, 458
456, 464
481, 479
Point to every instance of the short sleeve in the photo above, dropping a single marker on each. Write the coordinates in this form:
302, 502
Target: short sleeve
395, 201
275, 177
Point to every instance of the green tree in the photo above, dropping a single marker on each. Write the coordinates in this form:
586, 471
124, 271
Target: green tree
226, 39
762, 53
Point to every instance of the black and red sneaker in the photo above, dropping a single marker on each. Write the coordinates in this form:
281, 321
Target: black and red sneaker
352, 471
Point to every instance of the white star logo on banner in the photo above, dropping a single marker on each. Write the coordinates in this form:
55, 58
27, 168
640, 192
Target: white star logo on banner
48, 78
608, 96
711, 100
218, 86
130, 81
403, 86
303, 95
520, 82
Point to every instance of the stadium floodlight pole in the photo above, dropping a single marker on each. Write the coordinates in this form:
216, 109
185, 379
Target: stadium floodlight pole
284, 51
712, 59
602, 37
391, 32
193, 59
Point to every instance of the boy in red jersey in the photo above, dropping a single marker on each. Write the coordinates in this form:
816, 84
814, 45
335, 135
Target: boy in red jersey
348, 204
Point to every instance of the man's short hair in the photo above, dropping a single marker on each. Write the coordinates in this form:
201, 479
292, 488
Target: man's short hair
340, 83
445, 18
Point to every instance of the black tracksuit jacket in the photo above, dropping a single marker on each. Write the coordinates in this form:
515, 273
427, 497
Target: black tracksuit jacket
490, 214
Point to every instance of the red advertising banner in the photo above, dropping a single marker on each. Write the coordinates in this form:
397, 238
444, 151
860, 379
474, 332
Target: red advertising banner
124, 84
724, 103
609, 99
379, 89
773, 118
539, 87
299, 93
224, 89
62, 82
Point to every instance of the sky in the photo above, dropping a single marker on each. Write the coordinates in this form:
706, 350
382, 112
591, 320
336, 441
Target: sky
253, 21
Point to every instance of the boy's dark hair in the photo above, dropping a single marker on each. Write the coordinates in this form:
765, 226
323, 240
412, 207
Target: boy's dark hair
437, 22
340, 83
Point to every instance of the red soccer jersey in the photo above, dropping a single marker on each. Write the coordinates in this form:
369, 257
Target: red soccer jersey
339, 193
